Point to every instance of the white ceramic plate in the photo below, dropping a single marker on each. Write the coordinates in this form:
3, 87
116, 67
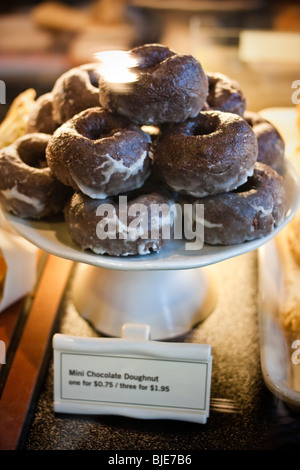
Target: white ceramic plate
54, 238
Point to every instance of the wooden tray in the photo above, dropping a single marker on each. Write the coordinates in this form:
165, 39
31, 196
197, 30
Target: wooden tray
27, 328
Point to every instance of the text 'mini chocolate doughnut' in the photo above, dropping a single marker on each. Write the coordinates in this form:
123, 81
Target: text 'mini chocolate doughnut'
74, 91
169, 87
98, 225
100, 154
212, 153
247, 213
28, 188
271, 145
225, 94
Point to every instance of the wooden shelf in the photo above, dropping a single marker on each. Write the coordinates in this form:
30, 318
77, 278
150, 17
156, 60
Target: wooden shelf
27, 328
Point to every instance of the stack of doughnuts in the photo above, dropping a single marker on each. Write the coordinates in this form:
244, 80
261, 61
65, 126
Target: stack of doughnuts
177, 133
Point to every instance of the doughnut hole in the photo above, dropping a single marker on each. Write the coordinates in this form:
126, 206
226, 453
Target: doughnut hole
148, 60
246, 187
203, 126
100, 127
94, 77
32, 150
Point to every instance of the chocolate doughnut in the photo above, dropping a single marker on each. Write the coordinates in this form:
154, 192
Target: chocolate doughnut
271, 146
27, 187
98, 225
40, 118
211, 153
100, 154
247, 213
169, 87
225, 94
74, 91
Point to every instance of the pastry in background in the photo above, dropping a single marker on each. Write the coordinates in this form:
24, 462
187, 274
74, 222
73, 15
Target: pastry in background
289, 303
288, 242
15, 123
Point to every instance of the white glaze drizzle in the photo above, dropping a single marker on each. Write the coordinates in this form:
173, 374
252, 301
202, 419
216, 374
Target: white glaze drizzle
113, 166
13, 193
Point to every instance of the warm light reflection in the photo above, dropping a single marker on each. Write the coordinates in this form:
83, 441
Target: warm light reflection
116, 67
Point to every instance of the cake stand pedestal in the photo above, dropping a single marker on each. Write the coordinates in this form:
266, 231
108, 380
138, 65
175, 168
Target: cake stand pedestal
170, 291
170, 302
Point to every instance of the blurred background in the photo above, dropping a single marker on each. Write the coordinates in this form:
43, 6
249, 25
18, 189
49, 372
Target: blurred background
254, 42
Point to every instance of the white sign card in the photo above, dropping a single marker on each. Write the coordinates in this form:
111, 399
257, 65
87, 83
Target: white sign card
135, 378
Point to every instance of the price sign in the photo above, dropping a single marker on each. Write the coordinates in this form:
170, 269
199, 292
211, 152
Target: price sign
141, 379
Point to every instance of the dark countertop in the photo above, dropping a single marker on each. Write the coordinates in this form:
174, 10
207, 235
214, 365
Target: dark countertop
254, 418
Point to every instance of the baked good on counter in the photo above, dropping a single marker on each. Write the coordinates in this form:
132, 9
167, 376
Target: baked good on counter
251, 211
293, 233
100, 154
270, 143
40, 118
211, 153
225, 94
74, 91
169, 87
115, 234
14, 124
28, 188
182, 128
289, 298
287, 243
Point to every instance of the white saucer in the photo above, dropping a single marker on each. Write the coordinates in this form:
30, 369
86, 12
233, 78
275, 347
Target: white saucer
54, 238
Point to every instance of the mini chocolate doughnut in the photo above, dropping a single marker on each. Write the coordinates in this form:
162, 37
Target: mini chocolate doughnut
247, 213
109, 227
27, 187
209, 154
225, 94
169, 87
40, 118
270, 143
100, 154
74, 91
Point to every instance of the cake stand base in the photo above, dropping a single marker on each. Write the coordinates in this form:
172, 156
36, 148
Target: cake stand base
170, 302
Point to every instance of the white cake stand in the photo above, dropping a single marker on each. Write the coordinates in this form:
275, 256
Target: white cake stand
170, 291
